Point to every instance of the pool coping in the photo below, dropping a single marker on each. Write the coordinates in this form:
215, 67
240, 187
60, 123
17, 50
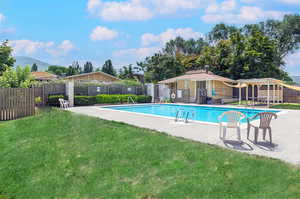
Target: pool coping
243, 125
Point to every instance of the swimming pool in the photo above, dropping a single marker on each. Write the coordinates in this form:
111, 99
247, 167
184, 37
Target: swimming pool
201, 113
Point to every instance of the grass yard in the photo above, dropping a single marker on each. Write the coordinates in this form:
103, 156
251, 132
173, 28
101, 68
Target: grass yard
59, 154
287, 106
293, 106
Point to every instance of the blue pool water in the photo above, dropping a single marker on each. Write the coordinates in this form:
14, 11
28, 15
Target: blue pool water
201, 113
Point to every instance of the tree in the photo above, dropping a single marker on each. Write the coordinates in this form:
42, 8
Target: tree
108, 68
88, 67
34, 67
221, 32
127, 72
160, 67
244, 56
252, 51
19, 78
286, 33
6, 59
74, 69
58, 70
184, 47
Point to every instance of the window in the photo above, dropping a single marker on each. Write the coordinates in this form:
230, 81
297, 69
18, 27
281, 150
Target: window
186, 84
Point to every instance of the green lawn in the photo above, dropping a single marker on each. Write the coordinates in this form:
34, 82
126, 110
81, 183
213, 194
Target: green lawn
243, 102
287, 106
62, 155
276, 106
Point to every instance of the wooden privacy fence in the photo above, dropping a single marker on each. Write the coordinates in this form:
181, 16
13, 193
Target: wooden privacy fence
16, 103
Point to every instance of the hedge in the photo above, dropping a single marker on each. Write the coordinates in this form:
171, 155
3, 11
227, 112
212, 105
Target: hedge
53, 100
84, 100
143, 99
100, 99
114, 99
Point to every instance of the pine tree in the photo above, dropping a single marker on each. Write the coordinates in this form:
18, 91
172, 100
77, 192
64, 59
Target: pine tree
34, 67
108, 68
88, 67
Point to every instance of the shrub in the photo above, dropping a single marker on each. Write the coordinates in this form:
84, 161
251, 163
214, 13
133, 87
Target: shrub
53, 100
144, 99
80, 100
113, 99
84, 100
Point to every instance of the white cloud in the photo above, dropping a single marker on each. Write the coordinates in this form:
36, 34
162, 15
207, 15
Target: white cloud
2, 17
101, 33
249, 1
212, 8
93, 5
172, 6
137, 10
119, 11
135, 53
62, 49
29, 47
67, 46
247, 14
293, 60
225, 6
228, 5
290, 1
186, 33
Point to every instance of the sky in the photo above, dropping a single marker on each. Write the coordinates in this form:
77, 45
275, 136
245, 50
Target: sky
125, 31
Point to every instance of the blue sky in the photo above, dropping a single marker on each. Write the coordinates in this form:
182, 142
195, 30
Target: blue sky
125, 31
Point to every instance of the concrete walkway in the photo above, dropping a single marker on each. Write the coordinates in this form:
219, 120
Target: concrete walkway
285, 130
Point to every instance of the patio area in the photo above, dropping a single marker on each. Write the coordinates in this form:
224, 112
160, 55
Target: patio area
286, 132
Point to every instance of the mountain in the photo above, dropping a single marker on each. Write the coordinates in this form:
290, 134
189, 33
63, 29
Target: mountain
296, 79
23, 61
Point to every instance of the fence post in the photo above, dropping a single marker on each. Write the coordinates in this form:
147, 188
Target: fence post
70, 92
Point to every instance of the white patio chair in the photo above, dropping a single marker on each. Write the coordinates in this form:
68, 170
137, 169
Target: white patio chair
64, 104
233, 120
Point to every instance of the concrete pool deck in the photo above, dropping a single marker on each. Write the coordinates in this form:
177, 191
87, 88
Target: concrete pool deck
285, 131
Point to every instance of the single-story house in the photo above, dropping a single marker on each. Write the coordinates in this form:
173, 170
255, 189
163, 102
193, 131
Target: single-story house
43, 76
198, 86
94, 76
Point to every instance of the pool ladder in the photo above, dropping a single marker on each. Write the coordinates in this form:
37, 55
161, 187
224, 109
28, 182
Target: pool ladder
183, 115
130, 99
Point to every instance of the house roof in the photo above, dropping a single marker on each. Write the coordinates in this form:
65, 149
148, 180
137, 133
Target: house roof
85, 74
260, 81
198, 75
43, 76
